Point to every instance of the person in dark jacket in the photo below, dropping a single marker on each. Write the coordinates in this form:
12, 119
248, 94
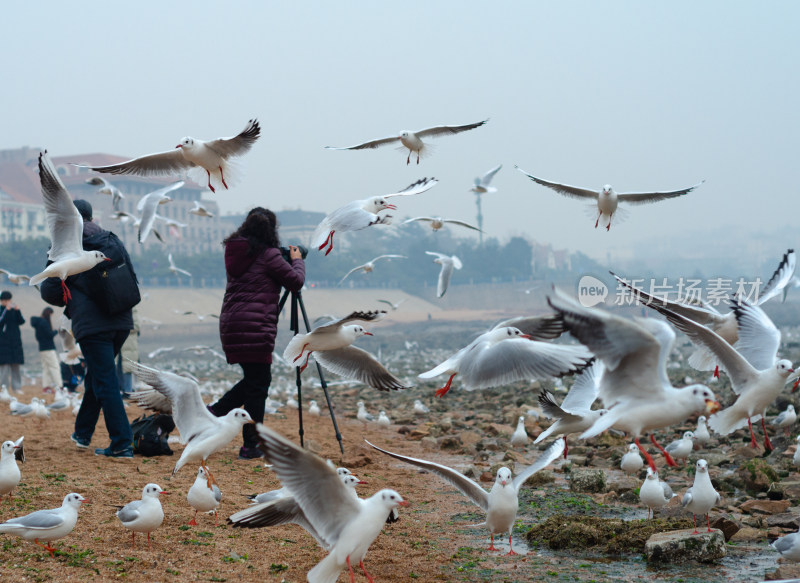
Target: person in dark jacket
11, 354
51, 369
101, 336
248, 322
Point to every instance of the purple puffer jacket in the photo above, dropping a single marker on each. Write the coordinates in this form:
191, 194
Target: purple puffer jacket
248, 322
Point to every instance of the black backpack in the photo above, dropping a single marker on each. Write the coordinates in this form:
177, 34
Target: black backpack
150, 433
113, 284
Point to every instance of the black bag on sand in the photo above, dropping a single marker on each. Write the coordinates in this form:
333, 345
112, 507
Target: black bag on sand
150, 433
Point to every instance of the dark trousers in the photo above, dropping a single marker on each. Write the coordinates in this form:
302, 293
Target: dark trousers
250, 393
102, 390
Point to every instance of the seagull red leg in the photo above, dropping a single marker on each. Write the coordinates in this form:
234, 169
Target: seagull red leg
597, 222
647, 456
670, 462
695, 524
222, 177
209, 181
65, 291
510, 547
566, 447
443, 391
767, 442
331, 244
326, 241
367, 575
193, 521
408, 160
708, 522
753, 441
48, 547
491, 544
302, 368
716, 372
302, 350
352, 575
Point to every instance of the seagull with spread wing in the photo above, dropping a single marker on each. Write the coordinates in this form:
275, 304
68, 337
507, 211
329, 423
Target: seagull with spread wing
360, 214
607, 198
369, 266
448, 263
502, 501
148, 206
413, 140
107, 188
200, 210
197, 158
174, 269
481, 185
437, 223
66, 231
16, 278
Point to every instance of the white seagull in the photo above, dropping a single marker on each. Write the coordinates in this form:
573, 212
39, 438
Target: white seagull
501, 502
701, 497
701, 434
654, 493
46, 525
9, 470
481, 185
200, 210
632, 461
437, 223
16, 278
348, 525
202, 433
788, 546
362, 414
107, 188
681, 448
785, 419
420, 408
756, 375
506, 355
196, 158
392, 305
313, 409
448, 263
369, 266
66, 231
202, 496
148, 205
634, 387
360, 214
143, 515
383, 419
575, 415
413, 140
607, 199
520, 437
174, 269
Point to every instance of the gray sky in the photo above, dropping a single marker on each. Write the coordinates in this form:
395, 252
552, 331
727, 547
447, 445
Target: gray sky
643, 96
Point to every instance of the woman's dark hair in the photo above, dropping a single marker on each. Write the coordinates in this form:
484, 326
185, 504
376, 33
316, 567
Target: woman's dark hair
260, 228
46, 313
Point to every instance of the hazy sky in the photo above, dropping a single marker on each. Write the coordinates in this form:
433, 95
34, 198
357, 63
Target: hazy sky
640, 95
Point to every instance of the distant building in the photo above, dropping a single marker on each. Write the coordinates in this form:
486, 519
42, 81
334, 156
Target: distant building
547, 258
22, 214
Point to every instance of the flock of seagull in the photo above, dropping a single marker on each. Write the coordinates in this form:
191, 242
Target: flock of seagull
619, 361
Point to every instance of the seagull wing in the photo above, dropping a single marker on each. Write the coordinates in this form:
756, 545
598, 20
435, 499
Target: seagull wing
584, 390
551, 454
284, 510
346, 275
448, 130
417, 187
487, 178
554, 411
39, 520
162, 164
319, 491
63, 219
759, 338
371, 316
130, 511
151, 399
565, 189
372, 144
646, 197
356, 364
388, 257
469, 488
237, 145
444, 276
781, 278
546, 327
461, 224
424, 219
188, 410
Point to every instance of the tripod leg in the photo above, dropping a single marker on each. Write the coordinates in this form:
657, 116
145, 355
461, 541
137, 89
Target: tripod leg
330, 408
299, 406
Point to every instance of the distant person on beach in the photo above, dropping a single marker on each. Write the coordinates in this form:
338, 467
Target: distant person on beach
11, 354
51, 368
101, 335
248, 322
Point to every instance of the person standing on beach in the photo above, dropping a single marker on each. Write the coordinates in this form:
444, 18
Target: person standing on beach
51, 368
11, 354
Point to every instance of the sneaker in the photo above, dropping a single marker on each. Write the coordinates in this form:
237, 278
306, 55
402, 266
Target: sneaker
250, 453
81, 443
124, 453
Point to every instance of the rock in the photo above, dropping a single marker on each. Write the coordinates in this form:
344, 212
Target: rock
765, 506
449, 442
487, 477
418, 434
488, 444
589, 481
681, 546
470, 437
748, 534
776, 491
579, 461
540, 478
359, 460
791, 489
496, 430
512, 456
429, 443
404, 430
472, 472
784, 520
785, 572
757, 475
727, 526
623, 484
714, 460
746, 452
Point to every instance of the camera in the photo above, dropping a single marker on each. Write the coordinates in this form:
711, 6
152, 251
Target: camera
285, 252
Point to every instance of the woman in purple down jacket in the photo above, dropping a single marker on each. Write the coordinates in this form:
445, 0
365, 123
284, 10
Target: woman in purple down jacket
248, 322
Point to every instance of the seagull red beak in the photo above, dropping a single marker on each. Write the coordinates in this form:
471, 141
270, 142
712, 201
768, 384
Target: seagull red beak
85, 501
528, 336
367, 333
107, 259
179, 146
391, 206
361, 482
404, 503
164, 492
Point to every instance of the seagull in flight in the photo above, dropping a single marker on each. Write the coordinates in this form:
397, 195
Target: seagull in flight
176, 270
15, 278
607, 198
107, 188
481, 185
437, 223
448, 263
148, 206
200, 210
197, 158
369, 266
413, 140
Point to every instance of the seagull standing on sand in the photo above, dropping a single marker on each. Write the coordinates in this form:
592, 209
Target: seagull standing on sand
66, 231
148, 205
369, 266
634, 387
143, 515
348, 525
362, 414
520, 437
757, 377
9, 470
681, 448
502, 501
654, 493
360, 214
197, 158
632, 461
313, 408
701, 497
413, 140
202, 497
46, 525
607, 199
506, 355
481, 185
202, 432
448, 263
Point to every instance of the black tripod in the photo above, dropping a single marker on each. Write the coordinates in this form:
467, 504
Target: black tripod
294, 326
